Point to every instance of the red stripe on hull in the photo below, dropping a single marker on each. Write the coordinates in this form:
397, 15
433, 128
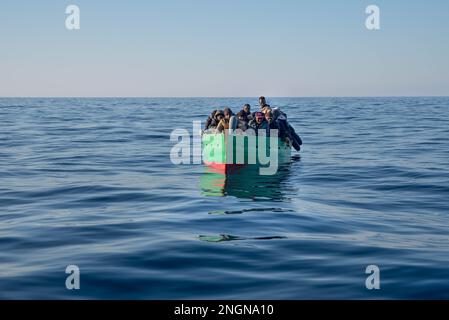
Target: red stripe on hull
224, 168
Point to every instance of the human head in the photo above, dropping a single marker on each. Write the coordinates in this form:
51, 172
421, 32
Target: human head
247, 108
227, 113
262, 101
242, 115
259, 117
219, 115
269, 116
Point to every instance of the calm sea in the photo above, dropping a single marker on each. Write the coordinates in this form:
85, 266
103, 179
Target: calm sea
89, 182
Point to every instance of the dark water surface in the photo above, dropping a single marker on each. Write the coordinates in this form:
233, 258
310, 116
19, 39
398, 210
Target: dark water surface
89, 182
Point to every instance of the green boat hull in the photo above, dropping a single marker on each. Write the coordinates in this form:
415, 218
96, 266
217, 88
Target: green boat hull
226, 152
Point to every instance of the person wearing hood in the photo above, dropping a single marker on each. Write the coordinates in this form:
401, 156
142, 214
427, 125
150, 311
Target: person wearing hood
211, 122
219, 115
215, 120
224, 123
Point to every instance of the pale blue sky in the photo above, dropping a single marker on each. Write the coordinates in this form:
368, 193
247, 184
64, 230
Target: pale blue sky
181, 48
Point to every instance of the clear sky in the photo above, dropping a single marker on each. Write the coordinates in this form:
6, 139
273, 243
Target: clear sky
183, 48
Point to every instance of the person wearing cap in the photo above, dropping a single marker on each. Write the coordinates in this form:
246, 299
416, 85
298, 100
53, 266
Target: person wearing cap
224, 123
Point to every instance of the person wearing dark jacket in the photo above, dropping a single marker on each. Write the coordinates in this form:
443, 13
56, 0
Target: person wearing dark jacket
258, 123
242, 119
262, 102
224, 123
247, 110
271, 123
285, 129
215, 120
211, 120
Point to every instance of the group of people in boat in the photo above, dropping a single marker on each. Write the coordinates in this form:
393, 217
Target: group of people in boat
263, 120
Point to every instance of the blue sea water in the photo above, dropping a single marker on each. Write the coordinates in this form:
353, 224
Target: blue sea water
89, 182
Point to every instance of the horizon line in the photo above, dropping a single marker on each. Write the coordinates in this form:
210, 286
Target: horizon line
216, 97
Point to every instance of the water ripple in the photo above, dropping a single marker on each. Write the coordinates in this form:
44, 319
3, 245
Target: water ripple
89, 182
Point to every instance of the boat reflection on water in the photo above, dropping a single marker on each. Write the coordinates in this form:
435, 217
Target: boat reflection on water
246, 183
227, 237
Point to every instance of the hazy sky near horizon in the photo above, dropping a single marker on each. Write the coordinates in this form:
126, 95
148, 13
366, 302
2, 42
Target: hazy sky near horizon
181, 48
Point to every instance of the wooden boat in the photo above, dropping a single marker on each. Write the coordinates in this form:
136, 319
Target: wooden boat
226, 153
